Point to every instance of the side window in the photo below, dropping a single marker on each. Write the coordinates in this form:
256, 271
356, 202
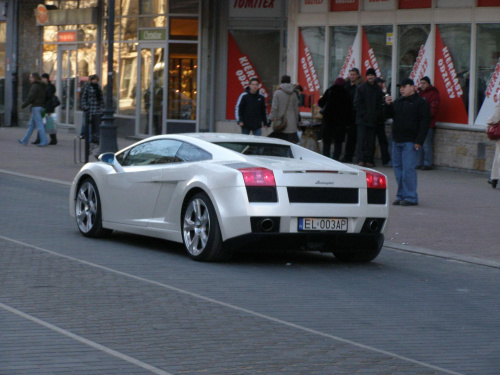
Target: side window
189, 152
155, 152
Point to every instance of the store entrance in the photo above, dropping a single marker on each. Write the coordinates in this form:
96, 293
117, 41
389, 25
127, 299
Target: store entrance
67, 84
150, 91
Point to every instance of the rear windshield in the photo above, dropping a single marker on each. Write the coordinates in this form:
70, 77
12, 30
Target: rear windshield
261, 149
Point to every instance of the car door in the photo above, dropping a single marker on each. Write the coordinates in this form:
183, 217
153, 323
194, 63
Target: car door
135, 191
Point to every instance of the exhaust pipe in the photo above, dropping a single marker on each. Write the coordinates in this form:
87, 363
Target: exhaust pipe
373, 225
266, 225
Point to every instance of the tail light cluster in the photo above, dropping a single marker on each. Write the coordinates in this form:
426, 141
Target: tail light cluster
258, 176
260, 184
375, 180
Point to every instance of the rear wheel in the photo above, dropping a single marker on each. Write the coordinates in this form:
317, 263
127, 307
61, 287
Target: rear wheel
88, 210
201, 231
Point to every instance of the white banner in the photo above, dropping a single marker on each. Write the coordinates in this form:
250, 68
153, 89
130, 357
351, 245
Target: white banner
424, 66
491, 98
353, 58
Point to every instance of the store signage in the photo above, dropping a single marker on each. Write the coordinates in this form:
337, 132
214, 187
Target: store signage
67, 36
353, 58
153, 34
491, 97
414, 4
452, 107
314, 6
307, 76
239, 72
488, 3
344, 5
42, 15
379, 4
254, 8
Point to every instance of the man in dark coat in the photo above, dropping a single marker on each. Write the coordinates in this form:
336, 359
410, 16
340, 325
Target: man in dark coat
252, 112
355, 80
92, 106
36, 98
50, 93
337, 108
411, 115
368, 104
431, 95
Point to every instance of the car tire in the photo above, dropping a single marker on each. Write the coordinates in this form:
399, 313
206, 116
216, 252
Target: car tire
200, 230
88, 211
371, 251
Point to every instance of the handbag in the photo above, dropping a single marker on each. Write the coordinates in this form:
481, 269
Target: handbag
493, 131
280, 124
55, 101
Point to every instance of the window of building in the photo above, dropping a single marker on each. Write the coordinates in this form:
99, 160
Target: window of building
341, 51
412, 40
311, 64
488, 70
378, 53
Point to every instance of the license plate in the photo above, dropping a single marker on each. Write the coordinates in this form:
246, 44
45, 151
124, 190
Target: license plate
324, 224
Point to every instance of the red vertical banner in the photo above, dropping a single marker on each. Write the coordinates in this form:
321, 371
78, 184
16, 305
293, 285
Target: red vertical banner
344, 5
239, 72
368, 58
452, 107
414, 4
307, 76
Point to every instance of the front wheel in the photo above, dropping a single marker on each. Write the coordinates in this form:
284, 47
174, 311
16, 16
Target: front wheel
201, 231
88, 210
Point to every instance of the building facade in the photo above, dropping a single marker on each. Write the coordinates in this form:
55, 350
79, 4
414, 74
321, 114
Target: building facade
180, 65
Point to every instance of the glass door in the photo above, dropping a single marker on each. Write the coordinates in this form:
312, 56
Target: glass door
150, 113
67, 84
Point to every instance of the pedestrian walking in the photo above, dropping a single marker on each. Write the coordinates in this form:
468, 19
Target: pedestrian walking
431, 95
92, 106
411, 117
355, 80
36, 98
495, 168
337, 109
286, 105
50, 106
251, 113
368, 105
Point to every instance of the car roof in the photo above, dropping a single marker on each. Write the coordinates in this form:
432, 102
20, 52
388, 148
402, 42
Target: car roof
233, 137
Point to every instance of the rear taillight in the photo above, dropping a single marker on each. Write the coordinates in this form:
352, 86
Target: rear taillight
258, 177
375, 180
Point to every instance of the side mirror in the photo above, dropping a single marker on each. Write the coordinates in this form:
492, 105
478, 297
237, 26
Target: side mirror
109, 159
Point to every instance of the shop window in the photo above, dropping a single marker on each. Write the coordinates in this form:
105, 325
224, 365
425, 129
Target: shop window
412, 47
182, 81
488, 71
50, 34
49, 60
152, 22
129, 7
128, 78
183, 29
3, 28
128, 28
341, 51
184, 6
378, 53
153, 6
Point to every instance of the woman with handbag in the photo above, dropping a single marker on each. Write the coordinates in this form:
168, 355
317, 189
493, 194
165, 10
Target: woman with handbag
285, 112
494, 134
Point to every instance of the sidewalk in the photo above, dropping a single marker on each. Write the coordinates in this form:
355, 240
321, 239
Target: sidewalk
457, 217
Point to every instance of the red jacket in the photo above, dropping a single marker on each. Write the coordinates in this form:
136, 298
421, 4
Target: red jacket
431, 96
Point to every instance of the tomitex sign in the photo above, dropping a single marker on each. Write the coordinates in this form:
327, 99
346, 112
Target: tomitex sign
255, 8
153, 34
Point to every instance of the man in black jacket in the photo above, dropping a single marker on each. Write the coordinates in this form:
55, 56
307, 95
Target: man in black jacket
355, 80
368, 104
411, 118
252, 112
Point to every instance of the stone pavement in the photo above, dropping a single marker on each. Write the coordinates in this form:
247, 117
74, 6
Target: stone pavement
457, 217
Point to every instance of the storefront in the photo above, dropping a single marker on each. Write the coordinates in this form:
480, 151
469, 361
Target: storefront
454, 42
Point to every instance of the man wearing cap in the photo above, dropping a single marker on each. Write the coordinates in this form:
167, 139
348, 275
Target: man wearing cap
431, 95
411, 117
368, 104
